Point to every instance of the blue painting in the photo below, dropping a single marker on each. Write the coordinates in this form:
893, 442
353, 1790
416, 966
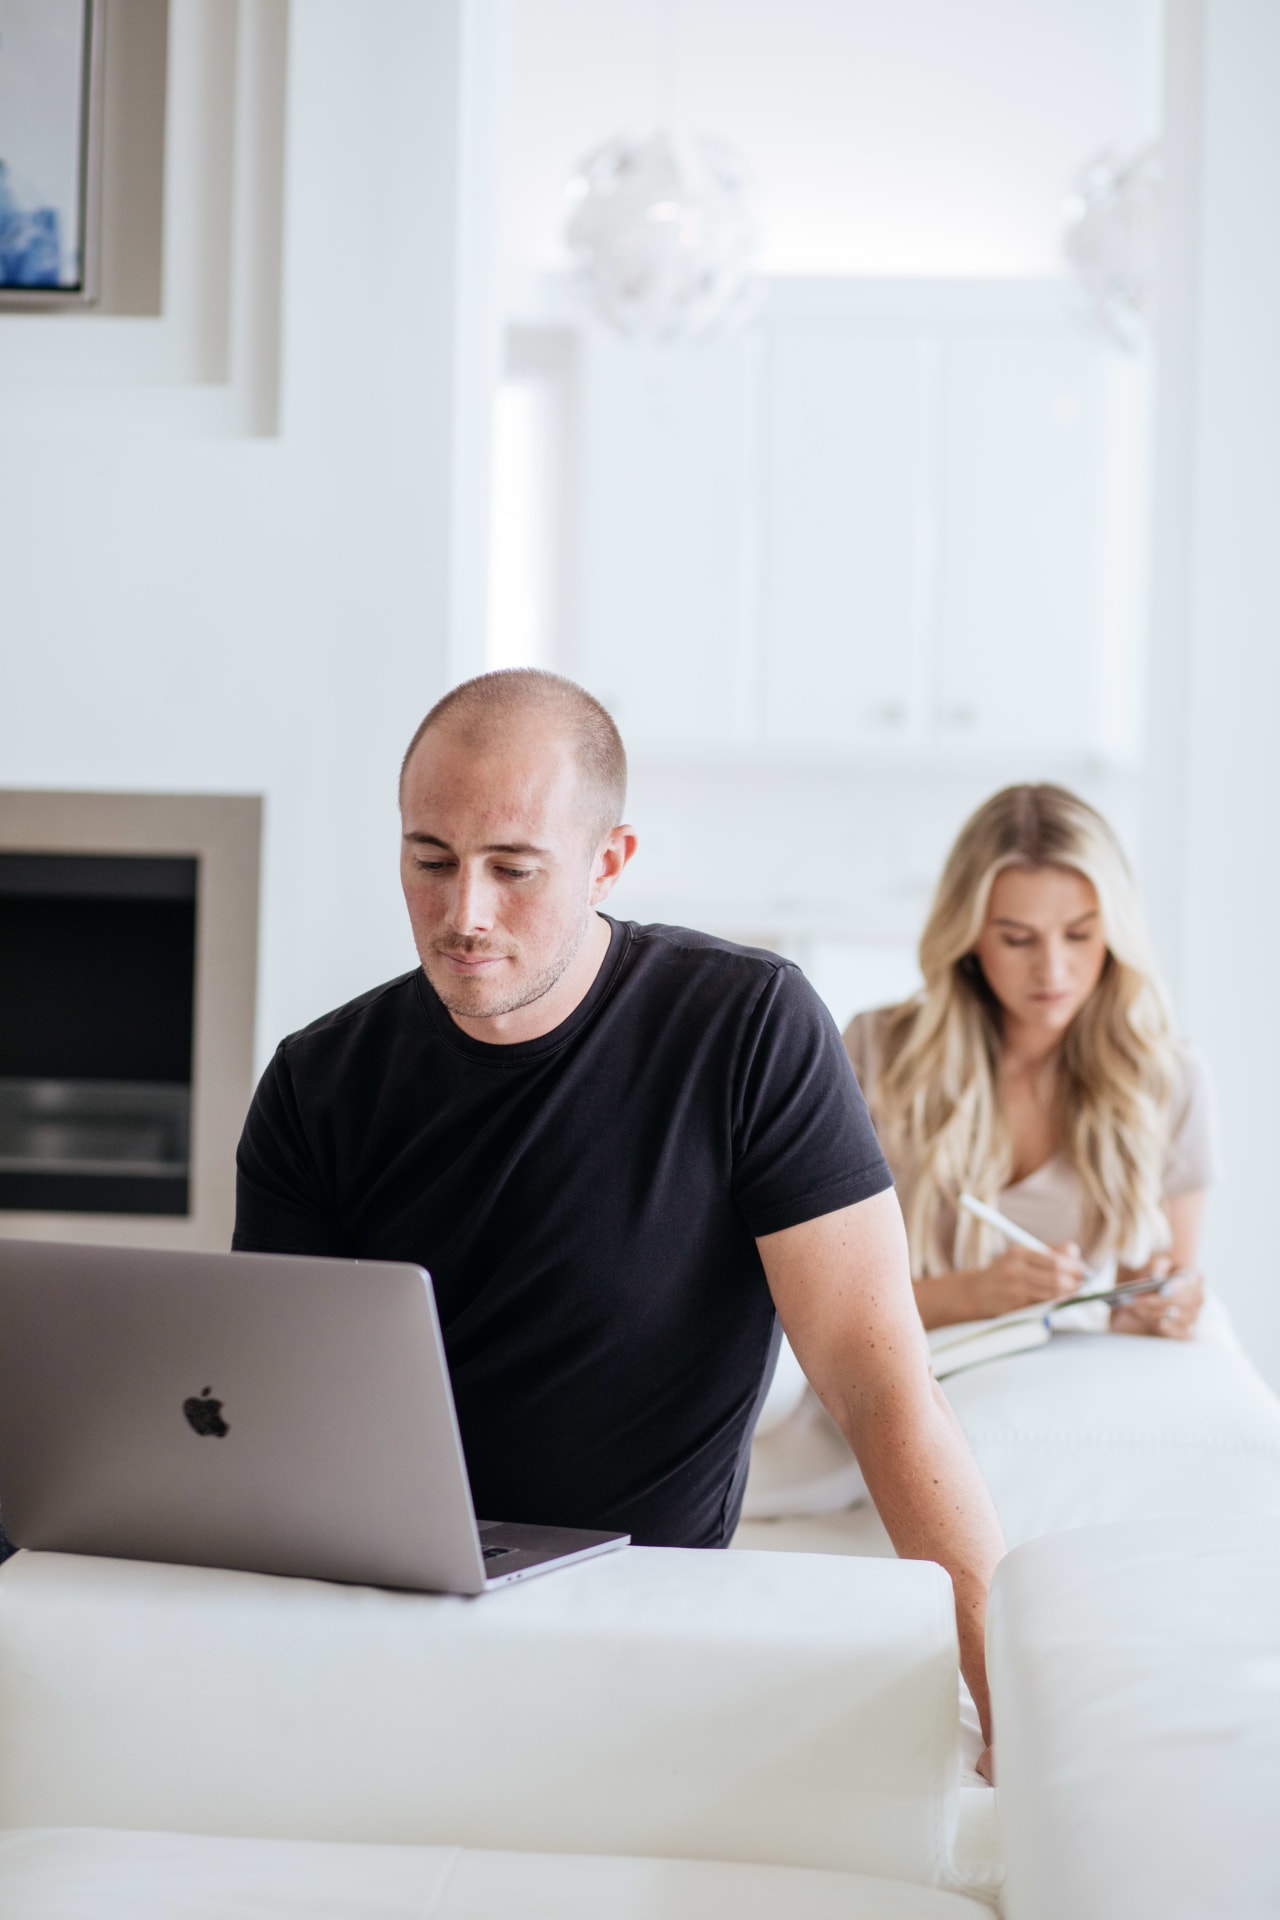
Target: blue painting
30, 242
43, 47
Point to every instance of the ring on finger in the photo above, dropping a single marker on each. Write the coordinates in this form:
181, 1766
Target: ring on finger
1169, 1317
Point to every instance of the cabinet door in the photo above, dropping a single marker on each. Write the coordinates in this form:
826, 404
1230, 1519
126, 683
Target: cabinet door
662, 493
847, 531
1022, 552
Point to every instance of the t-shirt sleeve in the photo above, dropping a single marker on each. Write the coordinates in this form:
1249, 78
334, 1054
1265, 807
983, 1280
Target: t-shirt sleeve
1192, 1161
281, 1202
804, 1144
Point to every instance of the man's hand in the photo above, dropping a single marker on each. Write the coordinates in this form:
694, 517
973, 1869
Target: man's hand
842, 1288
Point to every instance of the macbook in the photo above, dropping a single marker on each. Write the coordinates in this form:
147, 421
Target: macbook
261, 1411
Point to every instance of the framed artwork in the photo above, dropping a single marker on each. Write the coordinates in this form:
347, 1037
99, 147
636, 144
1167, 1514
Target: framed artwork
50, 105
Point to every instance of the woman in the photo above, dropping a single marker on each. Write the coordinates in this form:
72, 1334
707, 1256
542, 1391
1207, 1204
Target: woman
1037, 1069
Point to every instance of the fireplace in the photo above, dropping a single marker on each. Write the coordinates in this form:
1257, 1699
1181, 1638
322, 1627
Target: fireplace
97, 1019
128, 959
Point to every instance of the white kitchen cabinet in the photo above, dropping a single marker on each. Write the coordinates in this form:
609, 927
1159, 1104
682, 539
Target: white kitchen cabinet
660, 539
847, 530
887, 523
1023, 555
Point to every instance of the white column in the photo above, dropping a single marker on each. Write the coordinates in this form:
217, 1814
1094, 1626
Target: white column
1215, 663
482, 41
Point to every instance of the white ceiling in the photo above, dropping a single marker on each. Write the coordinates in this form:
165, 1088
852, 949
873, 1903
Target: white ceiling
889, 136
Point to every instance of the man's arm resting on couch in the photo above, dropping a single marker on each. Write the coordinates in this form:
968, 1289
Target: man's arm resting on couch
842, 1287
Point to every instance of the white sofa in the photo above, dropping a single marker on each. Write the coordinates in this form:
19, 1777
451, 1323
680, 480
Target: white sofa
653, 1734
1136, 1676
656, 1736
1092, 1428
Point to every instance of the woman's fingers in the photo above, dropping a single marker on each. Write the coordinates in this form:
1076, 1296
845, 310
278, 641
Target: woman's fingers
1135, 1316
1027, 1276
1068, 1268
1147, 1313
1181, 1302
1050, 1275
1170, 1314
1046, 1275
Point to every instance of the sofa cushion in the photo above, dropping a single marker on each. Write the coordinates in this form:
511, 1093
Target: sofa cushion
95, 1874
769, 1708
87, 1874
1135, 1674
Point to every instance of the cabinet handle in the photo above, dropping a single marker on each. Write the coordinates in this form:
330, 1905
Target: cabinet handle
892, 714
958, 716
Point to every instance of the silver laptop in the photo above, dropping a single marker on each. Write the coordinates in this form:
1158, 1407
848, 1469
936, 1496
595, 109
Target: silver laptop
260, 1411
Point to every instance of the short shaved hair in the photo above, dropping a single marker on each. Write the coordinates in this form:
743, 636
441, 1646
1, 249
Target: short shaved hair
494, 703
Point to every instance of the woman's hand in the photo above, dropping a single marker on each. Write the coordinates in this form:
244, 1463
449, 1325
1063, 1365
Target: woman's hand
1171, 1314
1019, 1278
1023, 1278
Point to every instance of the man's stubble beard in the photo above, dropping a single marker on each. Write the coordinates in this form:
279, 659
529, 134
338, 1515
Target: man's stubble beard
524, 996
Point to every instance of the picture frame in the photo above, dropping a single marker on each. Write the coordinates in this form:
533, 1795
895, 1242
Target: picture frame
50, 152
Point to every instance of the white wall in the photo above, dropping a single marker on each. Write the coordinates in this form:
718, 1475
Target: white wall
922, 136
1218, 771
191, 604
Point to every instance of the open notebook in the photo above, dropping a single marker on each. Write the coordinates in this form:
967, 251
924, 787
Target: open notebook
970, 1342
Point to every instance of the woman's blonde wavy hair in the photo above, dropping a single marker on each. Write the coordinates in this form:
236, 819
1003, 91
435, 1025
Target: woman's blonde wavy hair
937, 1089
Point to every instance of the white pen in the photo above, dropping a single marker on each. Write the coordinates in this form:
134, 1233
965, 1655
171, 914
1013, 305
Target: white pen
1007, 1227
1012, 1231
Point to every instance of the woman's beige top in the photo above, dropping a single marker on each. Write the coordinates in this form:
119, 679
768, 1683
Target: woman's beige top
1050, 1201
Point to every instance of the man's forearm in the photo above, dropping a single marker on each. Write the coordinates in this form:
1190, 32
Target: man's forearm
843, 1290
935, 1506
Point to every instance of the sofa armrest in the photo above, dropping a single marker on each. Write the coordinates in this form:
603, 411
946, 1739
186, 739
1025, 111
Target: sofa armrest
777, 1708
1098, 1428
1135, 1680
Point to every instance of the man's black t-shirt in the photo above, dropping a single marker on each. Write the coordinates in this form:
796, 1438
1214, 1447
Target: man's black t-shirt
586, 1204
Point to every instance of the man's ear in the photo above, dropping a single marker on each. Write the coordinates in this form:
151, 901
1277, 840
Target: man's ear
611, 857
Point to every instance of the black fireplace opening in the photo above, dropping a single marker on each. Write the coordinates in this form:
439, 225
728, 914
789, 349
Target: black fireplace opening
97, 1019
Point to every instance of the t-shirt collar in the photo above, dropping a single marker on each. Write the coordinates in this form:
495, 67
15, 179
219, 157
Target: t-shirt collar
517, 1053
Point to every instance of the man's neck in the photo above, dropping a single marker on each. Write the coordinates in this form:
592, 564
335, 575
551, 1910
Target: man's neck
543, 1016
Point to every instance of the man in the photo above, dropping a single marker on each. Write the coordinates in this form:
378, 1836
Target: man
617, 1150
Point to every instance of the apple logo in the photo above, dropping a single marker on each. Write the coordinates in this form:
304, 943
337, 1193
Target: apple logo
205, 1415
